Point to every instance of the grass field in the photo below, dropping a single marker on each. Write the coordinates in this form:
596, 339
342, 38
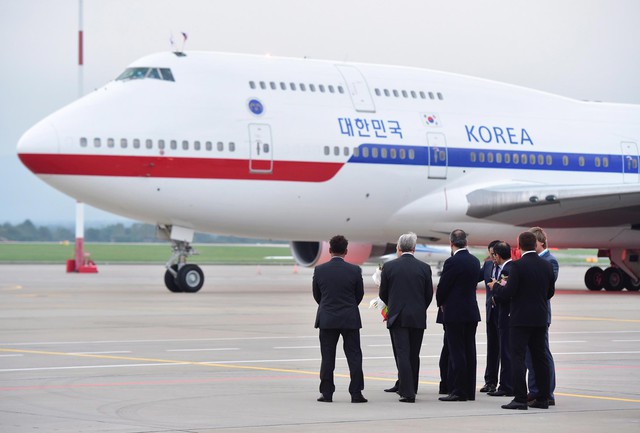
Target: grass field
143, 253
103, 253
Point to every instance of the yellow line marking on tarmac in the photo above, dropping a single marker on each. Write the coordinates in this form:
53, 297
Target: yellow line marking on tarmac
595, 319
599, 397
248, 367
160, 361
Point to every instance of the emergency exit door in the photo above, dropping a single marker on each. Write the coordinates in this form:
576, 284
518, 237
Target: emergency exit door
260, 148
438, 155
630, 172
358, 89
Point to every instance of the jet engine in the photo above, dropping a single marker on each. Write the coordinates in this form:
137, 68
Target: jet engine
309, 254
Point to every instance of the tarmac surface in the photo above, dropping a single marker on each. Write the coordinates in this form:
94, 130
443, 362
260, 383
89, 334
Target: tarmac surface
117, 352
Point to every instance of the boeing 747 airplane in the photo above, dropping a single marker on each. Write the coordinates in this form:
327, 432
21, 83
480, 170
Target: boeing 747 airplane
300, 149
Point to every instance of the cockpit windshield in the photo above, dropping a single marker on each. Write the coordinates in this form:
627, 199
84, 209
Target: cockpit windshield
140, 73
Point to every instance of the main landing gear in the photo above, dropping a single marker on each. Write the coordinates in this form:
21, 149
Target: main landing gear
181, 276
623, 273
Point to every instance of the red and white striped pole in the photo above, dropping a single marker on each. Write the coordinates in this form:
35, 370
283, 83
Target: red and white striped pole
80, 205
80, 49
79, 236
81, 263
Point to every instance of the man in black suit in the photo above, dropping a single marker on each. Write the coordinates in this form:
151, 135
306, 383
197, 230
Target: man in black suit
493, 340
456, 297
543, 251
407, 289
338, 289
502, 254
530, 284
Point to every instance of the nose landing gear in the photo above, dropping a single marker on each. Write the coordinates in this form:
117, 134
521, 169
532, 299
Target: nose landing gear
181, 276
188, 278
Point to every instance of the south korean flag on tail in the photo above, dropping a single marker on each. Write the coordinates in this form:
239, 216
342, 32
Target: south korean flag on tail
431, 120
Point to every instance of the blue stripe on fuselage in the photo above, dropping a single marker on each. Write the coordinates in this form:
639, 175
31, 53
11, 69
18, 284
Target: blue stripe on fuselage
482, 158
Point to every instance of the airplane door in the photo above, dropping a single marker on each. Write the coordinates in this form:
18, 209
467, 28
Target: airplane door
438, 155
260, 148
358, 89
630, 172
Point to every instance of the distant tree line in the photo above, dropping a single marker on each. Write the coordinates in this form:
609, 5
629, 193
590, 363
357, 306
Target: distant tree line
135, 232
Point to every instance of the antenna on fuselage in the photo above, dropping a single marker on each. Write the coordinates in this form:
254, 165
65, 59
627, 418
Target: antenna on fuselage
178, 52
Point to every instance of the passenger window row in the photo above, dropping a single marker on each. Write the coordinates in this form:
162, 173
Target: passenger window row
532, 159
322, 88
409, 94
161, 144
511, 157
336, 150
375, 152
302, 87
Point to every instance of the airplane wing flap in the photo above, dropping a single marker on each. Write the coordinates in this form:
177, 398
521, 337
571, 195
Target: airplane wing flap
555, 206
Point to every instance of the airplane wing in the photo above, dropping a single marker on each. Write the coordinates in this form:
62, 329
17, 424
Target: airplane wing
558, 206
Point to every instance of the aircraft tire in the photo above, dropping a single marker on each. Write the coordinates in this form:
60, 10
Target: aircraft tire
593, 278
630, 286
613, 279
190, 278
170, 281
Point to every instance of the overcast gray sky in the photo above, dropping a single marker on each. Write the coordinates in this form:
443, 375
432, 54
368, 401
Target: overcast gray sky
585, 49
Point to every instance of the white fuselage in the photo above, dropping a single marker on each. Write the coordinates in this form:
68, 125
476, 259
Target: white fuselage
301, 149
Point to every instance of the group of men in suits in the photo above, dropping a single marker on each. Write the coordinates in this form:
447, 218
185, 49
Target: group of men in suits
530, 285
405, 287
495, 272
518, 314
520, 288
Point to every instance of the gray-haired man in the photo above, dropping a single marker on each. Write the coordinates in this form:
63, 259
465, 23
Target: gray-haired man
406, 288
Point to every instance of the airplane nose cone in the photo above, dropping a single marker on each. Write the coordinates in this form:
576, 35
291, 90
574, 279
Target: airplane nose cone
41, 139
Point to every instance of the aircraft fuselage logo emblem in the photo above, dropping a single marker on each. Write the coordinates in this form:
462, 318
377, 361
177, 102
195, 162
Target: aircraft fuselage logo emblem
256, 107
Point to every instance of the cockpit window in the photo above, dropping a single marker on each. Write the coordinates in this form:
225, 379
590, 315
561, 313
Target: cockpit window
166, 74
154, 73
140, 73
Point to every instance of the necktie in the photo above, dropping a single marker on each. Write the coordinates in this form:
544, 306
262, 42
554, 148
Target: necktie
496, 272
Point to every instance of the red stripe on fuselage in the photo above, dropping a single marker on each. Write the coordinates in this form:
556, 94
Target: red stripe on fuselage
171, 167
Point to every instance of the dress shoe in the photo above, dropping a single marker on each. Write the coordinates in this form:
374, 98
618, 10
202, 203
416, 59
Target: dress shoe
325, 398
515, 405
407, 399
552, 401
488, 387
452, 397
394, 388
540, 404
358, 398
500, 393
